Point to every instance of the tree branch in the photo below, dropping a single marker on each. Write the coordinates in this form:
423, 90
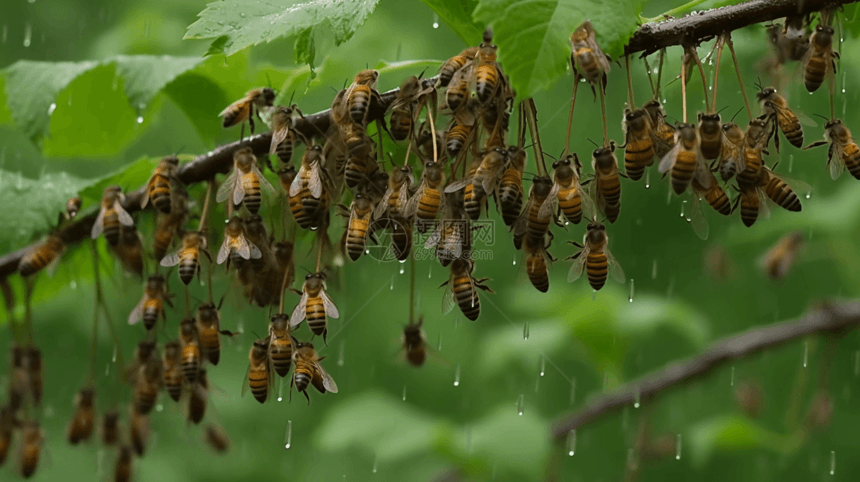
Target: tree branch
830, 318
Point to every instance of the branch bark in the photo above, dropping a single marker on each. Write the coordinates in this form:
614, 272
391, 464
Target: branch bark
830, 318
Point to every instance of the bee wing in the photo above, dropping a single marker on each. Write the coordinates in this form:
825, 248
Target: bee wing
124, 217
380, 208
435, 236
314, 183
669, 159
703, 175
299, 312
448, 302
225, 189
264, 183
145, 198
327, 381
457, 185
519, 227
799, 187
246, 382
764, 203
578, 265
254, 250
697, 216
171, 259
224, 251
137, 313
243, 248
98, 225
589, 210
548, 204
614, 268
278, 136
402, 196
837, 165
238, 190
412, 205
330, 308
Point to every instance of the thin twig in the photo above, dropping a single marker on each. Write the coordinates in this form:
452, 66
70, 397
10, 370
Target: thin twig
720, 45
728, 39
569, 115
684, 88
631, 104
695, 56
530, 112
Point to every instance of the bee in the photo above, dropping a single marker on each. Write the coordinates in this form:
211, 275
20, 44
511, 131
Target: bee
315, 305
148, 384
401, 239
781, 190
474, 196
209, 331
492, 166
190, 355
457, 93
427, 201
283, 253
259, 376
309, 173
360, 166
142, 354
359, 224
775, 107
151, 306
245, 182
755, 141
111, 216
683, 158
19, 383
638, 145
281, 344
710, 136
704, 185
403, 109
463, 289
843, 150
510, 193
122, 469
73, 205
414, 343
157, 189
730, 155
31, 447
592, 63
607, 183
308, 198
662, 134
790, 40
537, 260
171, 225
8, 423
452, 236
283, 133
286, 175
130, 250
197, 398
455, 63
360, 95
243, 109
460, 132
820, 58
47, 253
110, 428
35, 374
752, 201
309, 371
487, 73
393, 204
81, 426
172, 370
188, 256
217, 438
569, 195
536, 216
595, 259
779, 259
138, 432
235, 242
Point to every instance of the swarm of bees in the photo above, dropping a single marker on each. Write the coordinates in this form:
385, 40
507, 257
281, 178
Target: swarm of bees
465, 159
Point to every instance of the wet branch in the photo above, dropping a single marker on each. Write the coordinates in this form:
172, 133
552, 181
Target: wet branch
832, 318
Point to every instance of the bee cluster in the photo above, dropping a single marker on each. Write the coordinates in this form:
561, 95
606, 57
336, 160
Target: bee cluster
463, 165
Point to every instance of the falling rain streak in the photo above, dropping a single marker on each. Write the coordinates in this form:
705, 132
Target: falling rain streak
630, 297
542, 366
732, 379
520, 403
281, 391
571, 443
340, 353
654, 270
678, 447
28, 35
832, 462
457, 376
404, 393
636, 398
526, 330
805, 353
288, 435
375, 462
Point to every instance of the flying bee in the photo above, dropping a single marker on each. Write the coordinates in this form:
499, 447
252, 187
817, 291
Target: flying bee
779, 259
843, 151
309, 173
309, 371
535, 218
190, 356
455, 63
587, 59
414, 343
216, 437
315, 305
281, 344
47, 253
110, 428
259, 375
243, 109
510, 194
683, 158
188, 256
31, 447
236, 242
638, 144
197, 399
820, 58
359, 224
595, 258
73, 205
755, 142
283, 133
710, 136
713, 194
361, 94
487, 75
607, 183
35, 374
775, 107
130, 250
172, 370
209, 331
662, 133
462, 289
83, 420
151, 306
245, 182
427, 201
536, 262
138, 431
730, 155
157, 189
122, 469
393, 204
111, 216
570, 194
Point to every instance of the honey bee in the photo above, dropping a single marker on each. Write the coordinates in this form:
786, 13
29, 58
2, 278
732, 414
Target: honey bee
755, 141
315, 305
286, 175
415, 343
455, 63
190, 356
427, 201
775, 107
151, 306
281, 344
820, 58
393, 204
171, 369
35, 374
283, 133
779, 259
209, 331
236, 243
490, 169
713, 194
188, 256
452, 236
309, 173
710, 136
283, 252
463, 289
171, 225
843, 150
781, 190
595, 258
510, 192
683, 158
148, 384
535, 218
662, 133
752, 202
474, 196
47, 253
19, 383
638, 145
217, 438
83, 420
360, 166
460, 132
245, 182
8, 423
403, 109
73, 205
31, 447
457, 92
259, 376
361, 94
309, 371
730, 155
359, 224
536, 262
607, 183
130, 250
198, 396
569, 195
123, 466
790, 40
138, 432
110, 428
243, 109
487, 75
111, 216
587, 59
158, 187
142, 354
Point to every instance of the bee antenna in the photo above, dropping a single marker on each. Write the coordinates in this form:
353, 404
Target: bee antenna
724, 108
819, 115
291, 98
551, 156
268, 80
344, 83
255, 334
595, 144
422, 73
758, 84
335, 90
736, 114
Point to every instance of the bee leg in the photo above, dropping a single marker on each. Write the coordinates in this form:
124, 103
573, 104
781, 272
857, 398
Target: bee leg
251, 118
306, 396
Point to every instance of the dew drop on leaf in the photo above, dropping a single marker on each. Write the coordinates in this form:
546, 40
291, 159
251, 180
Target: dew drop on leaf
340, 353
526, 330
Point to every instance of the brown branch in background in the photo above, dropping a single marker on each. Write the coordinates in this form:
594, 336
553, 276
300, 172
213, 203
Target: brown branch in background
835, 318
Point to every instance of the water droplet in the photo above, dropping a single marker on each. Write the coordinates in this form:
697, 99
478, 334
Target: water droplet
5, 34
439, 342
73, 285
51, 108
140, 119
375, 462
401, 270
647, 179
159, 407
567, 223
32, 1
808, 195
457, 376
593, 295
683, 205
366, 251
571, 443
281, 391
242, 14
671, 290
832, 462
107, 369
430, 271
391, 287
805, 353
732, 378
636, 397
28, 35
542, 366
678, 447
630, 298
526, 330
520, 401
113, 357
515, 260
340, 349
435, 24
404, 393
288, 435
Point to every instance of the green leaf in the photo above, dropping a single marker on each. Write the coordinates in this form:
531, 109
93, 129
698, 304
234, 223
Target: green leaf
457, 14
514, 443
249, 22
199, 99
306, 49
650, 312
146, 75
534, 35
852, 15
732, 433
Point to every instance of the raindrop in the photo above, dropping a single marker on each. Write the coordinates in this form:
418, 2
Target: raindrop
159, 407
678, 447
391, 287
113, 357
671, 290
573, 391
51, 109
808, 195
654, 269
107, 369
790, 162
140, 119
457, 376
632, 463
366, 251
526, 330
630, 298
375, 462
242, 14
683, 205
593, 294
571, 443
439, 342
832, 462
28, 34
647, 179
288, 435
435, 20
520, 402
542, 366
401, 270
636, 398
515, 260
430, 271
435, 24
281, 391
404, 393
5, 34
340, 353
567, 223
73, 285
805, 353
732, 378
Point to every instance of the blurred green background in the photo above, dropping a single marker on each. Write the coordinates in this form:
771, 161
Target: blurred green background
390, 421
